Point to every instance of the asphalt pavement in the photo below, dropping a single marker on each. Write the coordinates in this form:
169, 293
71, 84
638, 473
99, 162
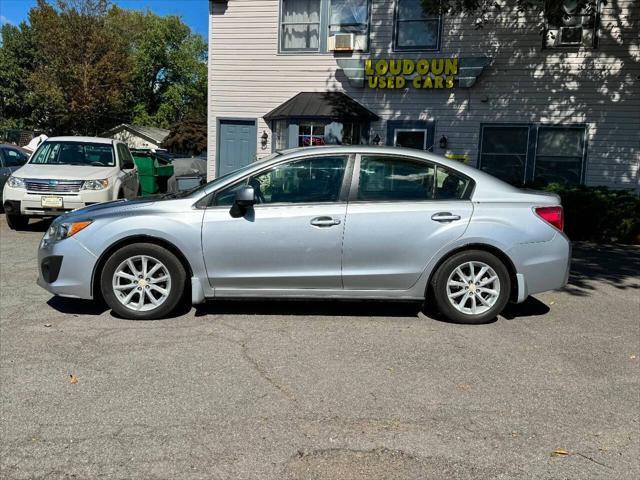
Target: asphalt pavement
322, 390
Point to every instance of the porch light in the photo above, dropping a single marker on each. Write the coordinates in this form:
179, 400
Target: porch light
376, 139
264, 139
443, 142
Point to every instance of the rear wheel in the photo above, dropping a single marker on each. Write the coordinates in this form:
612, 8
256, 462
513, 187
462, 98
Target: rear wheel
143, 281
17, 222
471, 287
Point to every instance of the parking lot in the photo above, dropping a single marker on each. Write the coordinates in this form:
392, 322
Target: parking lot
313, 390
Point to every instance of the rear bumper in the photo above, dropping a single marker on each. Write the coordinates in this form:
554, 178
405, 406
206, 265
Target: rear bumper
541, 266
65, 268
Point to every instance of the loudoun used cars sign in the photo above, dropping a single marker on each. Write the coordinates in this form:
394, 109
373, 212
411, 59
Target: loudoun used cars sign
409, 73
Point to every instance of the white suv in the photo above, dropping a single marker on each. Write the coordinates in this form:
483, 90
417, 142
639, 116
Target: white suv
66, 173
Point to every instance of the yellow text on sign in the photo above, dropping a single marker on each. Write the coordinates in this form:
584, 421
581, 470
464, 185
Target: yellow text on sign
422, 73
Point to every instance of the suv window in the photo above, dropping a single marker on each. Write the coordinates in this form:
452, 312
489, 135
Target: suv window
399, 179
312, 180
14, 158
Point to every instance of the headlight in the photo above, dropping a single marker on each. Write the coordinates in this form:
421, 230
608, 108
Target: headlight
60, 231
16, 182
95, 184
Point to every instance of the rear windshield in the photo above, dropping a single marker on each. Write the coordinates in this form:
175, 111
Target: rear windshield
75, 153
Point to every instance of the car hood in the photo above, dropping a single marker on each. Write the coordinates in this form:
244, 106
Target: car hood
113, 207
64, 172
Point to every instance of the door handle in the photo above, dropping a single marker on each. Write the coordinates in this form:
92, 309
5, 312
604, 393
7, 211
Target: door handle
444, 217
324, 222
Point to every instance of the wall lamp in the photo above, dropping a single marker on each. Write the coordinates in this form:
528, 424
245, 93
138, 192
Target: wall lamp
443, 142
376, 139
264, 139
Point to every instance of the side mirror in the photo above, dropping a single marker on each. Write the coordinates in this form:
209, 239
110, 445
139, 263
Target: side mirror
246, 196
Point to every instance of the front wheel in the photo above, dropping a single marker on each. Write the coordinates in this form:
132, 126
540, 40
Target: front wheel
471, 287
143, 281
17, 222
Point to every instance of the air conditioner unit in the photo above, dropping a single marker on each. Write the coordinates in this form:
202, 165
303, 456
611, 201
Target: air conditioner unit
341, 42
571, 35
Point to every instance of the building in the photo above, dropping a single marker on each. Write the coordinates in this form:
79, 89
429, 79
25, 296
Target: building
138, 137
528, 107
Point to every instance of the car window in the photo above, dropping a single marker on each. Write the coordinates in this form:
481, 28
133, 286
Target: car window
388, 178
451, 185
312, 180
14, 158
74, 153
384, 178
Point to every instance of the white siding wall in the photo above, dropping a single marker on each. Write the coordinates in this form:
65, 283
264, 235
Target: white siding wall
597, 87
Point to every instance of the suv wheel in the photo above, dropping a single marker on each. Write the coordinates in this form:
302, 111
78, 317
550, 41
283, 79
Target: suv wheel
17, 222
471, 287
143, 281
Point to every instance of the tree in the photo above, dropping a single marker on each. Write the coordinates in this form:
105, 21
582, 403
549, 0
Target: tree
84, 66
169, 67
188, 136
16, 63
81, 81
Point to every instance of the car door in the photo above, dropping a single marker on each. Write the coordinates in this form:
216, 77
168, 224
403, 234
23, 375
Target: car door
291, 239
401, 212
4, 171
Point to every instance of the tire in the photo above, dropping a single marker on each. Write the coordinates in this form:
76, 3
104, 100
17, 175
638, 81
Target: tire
17, 222
486, 297
125, 301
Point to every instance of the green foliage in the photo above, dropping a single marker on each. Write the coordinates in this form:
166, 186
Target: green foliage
84, 66
599, 214
187, 137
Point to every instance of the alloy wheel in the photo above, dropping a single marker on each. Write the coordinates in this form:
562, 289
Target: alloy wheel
473, 288
141, 283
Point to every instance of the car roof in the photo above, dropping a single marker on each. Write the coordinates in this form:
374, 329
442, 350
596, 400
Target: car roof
81, 139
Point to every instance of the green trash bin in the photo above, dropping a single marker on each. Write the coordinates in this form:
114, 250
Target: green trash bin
153, 173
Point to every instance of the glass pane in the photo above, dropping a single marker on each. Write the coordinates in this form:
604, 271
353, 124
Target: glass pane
409, 139
418, 34
560, 141
348, 12
509, 168
14, 158
281, 134
314, 180
395, 179
228, 195
301, 11
300, 37
505, 139
558, 170
450, 185
411, 10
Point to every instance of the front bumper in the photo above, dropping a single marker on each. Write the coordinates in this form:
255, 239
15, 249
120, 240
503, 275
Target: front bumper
542, 266
31, 203
65, 268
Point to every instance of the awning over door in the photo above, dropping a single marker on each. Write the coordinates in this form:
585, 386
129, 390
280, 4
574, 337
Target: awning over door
334, 105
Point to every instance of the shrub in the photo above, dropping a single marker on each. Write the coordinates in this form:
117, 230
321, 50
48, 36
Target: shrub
599, 214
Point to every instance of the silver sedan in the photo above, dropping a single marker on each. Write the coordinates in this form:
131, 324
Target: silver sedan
326, 222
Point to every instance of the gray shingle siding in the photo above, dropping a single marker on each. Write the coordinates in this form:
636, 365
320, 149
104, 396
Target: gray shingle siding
599, 87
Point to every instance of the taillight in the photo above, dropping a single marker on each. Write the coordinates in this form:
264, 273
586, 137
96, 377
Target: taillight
552, 215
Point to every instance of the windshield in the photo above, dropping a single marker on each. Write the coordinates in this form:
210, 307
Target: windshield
219, 180
75, 153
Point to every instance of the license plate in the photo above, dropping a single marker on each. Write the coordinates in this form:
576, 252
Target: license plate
51, 202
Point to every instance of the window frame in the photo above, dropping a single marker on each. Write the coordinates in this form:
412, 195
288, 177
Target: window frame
532, 146
342, 195
293, 129
355, 179
583, 160
5, 157
367, 33
397, 48
428, 125
323, 31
